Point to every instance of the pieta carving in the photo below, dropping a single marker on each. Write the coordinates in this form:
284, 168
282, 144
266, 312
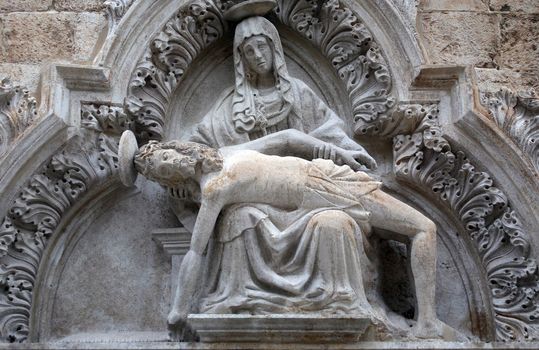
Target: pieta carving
287, 203
265, 120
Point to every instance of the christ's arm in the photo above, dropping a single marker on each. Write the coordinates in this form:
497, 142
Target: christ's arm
205, 223
191, 267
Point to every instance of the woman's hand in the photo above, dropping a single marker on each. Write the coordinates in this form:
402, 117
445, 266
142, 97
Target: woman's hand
357, 159
354, 159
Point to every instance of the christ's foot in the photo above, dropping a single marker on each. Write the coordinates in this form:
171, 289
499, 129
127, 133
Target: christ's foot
436, 329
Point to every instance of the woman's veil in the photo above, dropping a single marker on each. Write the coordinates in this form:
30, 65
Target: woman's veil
244, 107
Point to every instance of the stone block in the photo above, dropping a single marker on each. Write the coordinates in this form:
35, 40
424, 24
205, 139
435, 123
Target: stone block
288, 328
37, 37
3, 51
78, 5
528, 6
453, 5
25, 5
492, 79
88, 29
460, 37
50, 36
519, 50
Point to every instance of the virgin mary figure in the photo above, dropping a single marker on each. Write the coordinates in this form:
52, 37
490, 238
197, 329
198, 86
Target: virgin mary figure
278, 260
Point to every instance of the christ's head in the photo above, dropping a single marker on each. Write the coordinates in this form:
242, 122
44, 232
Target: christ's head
174, 163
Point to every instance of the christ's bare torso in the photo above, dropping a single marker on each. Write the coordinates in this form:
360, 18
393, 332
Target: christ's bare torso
252, 177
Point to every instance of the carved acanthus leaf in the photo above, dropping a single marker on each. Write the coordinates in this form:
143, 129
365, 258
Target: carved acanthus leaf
512, 276
17, 111
195, 27
102, 118
518, 116
403, 120
423, 158
38, 210
116, 9
331, 26
349, 46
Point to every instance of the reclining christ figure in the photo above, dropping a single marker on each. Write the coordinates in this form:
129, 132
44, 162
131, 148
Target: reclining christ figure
234, 175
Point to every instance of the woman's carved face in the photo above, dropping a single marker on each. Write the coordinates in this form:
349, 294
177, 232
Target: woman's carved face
258, 54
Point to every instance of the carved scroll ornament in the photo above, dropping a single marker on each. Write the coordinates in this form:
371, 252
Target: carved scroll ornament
17, 111
517, 114
115, 10
423, 159
194, 28
350, 48
38, 210
334, 29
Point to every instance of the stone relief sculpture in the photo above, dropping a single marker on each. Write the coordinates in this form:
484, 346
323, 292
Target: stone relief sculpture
424, 159
284, 220
17, 112
517, 114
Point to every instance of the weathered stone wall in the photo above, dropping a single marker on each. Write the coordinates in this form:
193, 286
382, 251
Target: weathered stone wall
499, 37
34, 33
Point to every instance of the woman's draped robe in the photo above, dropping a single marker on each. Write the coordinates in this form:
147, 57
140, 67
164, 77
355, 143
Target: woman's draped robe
276, 260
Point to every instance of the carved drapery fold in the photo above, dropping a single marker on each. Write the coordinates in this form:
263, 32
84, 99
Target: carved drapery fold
423, 159
37, 211
17, 111
517, 114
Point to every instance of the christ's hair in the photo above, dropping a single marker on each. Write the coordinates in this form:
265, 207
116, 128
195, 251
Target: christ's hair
195, 154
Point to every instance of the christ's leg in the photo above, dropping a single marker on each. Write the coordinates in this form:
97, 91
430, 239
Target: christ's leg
390, 214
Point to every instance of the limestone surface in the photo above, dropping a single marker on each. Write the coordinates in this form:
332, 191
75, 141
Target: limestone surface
468, 38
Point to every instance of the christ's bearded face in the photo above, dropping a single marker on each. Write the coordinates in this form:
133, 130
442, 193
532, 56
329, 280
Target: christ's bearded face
171, 168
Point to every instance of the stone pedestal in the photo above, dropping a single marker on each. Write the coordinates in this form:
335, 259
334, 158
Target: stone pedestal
279, 328
175, 242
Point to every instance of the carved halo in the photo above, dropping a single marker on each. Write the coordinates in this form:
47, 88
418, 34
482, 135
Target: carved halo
249, 8
126, 153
